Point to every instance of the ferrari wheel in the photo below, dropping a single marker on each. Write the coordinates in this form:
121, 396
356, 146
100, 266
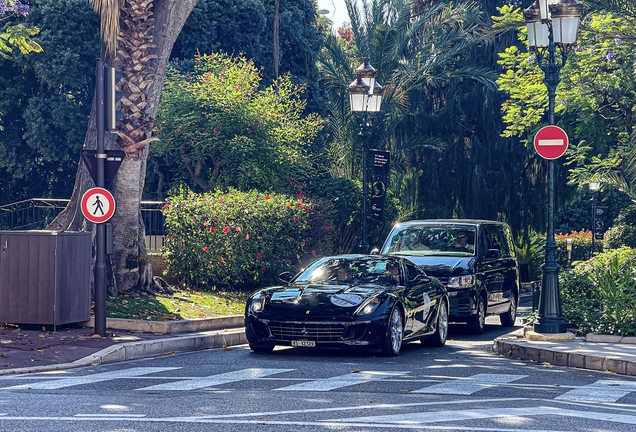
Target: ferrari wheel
262, 348
438, 338
394, 334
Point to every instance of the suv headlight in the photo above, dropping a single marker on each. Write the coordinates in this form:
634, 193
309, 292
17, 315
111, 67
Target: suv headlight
461, 281
257, 304
368, 307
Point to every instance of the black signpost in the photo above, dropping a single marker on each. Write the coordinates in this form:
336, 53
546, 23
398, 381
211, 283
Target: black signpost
379, 182
102, 165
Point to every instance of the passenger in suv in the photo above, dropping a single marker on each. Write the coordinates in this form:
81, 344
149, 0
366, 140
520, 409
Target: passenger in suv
474, 258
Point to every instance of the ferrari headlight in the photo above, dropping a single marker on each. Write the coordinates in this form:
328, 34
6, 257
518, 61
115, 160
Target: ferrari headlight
257, 304
461, 281
368, 307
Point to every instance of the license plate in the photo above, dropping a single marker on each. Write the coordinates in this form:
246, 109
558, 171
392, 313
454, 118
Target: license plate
303, 343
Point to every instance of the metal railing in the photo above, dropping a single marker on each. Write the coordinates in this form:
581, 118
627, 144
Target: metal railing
37, 213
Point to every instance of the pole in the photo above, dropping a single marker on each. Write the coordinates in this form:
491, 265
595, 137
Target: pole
100, 252
364, 131
592, 250
550, 316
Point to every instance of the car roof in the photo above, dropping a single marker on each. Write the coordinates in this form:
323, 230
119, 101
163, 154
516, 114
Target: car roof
449, 221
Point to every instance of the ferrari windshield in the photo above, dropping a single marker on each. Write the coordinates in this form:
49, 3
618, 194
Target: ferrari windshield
429, 239
349, 270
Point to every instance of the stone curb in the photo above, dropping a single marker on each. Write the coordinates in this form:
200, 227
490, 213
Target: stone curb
561, 355
170, 327
591, 337
146, 348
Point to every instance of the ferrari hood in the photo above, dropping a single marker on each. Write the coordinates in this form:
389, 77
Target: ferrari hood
317, 300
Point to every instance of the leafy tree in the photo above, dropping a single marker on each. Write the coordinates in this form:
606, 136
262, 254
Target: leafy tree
17, 35
46, 97
218, 130
595, 102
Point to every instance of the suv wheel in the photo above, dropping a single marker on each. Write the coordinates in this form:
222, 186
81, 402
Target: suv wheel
508, 318
478, 321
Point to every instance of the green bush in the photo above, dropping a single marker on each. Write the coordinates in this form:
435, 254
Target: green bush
599, 295
232, 239
581, 247
623, 231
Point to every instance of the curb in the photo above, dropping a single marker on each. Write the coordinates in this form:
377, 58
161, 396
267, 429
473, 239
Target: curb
119, 352
562, 354
169, 327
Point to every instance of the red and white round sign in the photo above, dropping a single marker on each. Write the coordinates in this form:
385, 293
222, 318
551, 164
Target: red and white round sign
551, 142
98, 205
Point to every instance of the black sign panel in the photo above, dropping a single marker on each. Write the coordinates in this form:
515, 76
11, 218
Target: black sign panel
600, 222
112, 161
379, 182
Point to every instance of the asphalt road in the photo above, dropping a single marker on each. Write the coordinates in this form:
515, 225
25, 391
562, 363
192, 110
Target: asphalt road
462, 386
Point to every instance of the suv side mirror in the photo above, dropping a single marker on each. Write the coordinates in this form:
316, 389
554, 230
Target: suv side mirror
493, 254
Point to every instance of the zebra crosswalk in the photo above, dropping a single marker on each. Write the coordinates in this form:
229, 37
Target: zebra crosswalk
169, 378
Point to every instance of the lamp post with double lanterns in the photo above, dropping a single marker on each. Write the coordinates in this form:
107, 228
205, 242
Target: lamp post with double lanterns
365, 96
552, 29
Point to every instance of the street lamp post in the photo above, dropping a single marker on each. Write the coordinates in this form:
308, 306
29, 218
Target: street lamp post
551, 26
365, 96
594, 186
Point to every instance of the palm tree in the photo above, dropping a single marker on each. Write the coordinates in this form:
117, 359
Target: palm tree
417, 48
138, 36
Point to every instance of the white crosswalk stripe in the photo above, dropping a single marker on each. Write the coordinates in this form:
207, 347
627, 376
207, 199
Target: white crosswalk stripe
90, 379
341, 381
481, 414
219, 379
600, 391
469, 385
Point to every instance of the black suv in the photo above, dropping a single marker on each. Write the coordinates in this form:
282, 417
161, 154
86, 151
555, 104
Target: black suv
475, 259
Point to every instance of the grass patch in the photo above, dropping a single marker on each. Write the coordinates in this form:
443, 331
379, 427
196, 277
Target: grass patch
179, 305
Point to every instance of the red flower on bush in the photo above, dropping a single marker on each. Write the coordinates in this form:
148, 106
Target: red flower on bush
263, 267
213, 230
300, 195
326, 227
170, 235
216, 132
259, 256
166, 206
206, 249
288, 261
294, 219
267, 197
226, 229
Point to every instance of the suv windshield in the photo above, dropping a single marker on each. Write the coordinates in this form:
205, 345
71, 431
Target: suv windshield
436, 240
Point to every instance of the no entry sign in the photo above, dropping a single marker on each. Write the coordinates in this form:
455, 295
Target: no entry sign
98, 205
551, 142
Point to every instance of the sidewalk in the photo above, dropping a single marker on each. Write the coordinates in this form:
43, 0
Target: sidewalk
28, 350
38, 349
597, 352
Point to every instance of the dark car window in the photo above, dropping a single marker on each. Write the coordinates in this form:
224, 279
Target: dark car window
412, 271
349, 270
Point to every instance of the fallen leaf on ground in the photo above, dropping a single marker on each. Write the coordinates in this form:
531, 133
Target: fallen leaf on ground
41, 336
96, 336
227, 349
